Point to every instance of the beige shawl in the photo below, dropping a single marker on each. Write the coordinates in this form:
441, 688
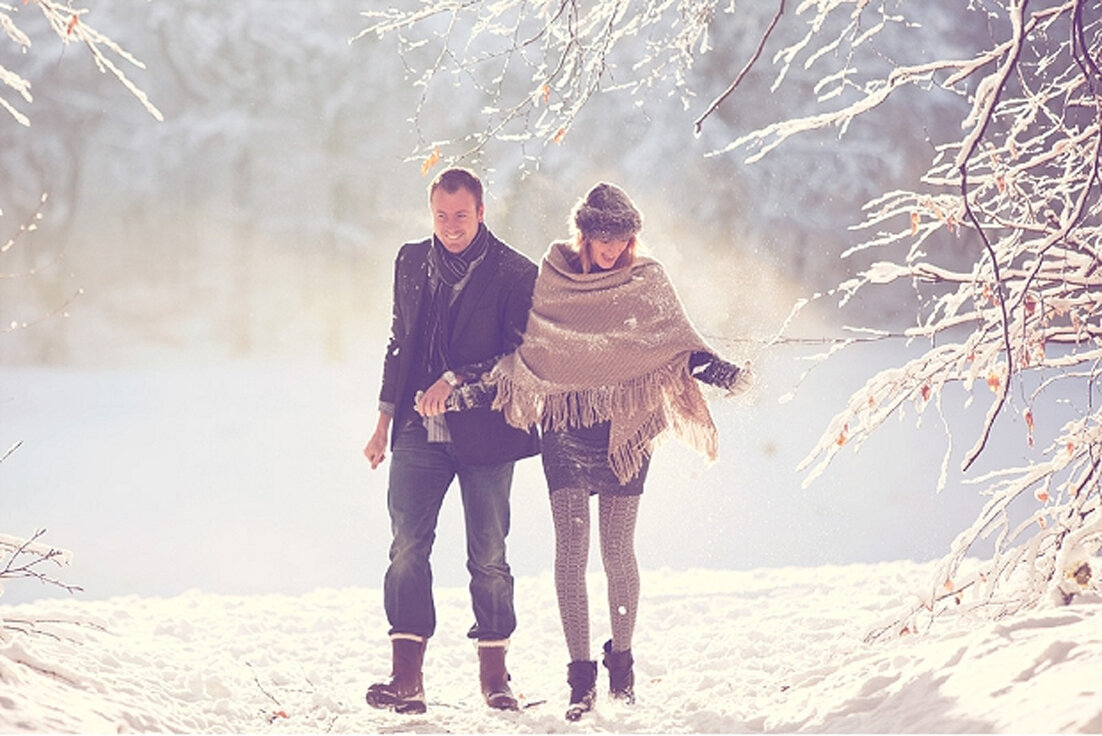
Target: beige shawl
611, 345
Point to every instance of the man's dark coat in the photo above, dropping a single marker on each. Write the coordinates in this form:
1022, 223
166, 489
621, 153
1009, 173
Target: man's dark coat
489, 319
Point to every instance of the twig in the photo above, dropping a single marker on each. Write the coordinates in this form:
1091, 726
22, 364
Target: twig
59, 309
27, 570
698, 124
29, 627
27, 225
256, 679
965, 154
10, 450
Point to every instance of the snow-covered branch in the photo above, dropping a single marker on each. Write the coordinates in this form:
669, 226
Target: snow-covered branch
27, 226
1027, 191
25, 558
68, 24
535, 66
698, 124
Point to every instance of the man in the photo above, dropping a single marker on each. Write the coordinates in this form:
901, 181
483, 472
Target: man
461, 301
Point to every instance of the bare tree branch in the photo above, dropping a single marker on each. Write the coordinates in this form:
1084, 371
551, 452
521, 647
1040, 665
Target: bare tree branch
698, 124
26, 556
990, 98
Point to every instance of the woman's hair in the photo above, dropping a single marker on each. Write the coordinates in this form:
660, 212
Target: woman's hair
584, 247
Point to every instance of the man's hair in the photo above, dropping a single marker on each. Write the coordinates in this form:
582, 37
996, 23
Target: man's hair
452, 180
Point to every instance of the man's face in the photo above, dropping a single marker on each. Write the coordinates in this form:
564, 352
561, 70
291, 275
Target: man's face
455, 218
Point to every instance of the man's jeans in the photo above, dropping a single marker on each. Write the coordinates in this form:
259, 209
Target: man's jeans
420, 474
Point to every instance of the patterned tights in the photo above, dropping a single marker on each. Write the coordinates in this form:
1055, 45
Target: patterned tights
617, 515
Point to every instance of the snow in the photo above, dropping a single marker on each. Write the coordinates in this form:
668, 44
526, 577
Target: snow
247, 477
768, 650
230, 540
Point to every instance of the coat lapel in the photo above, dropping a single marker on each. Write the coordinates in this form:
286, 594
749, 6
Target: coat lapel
475, 290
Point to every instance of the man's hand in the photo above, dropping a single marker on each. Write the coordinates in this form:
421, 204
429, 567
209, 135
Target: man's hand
375, 449
431, 403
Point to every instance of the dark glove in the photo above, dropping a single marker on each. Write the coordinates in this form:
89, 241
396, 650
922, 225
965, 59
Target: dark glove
470, 396
715, 371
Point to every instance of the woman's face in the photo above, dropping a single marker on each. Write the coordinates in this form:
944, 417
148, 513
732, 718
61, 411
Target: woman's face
605, 253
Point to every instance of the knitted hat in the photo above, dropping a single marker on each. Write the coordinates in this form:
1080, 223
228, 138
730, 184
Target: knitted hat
607, 213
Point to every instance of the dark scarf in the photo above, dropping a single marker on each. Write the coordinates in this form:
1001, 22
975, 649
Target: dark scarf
448, 274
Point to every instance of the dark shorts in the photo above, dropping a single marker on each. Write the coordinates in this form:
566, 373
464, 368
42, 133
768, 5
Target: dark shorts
578, 458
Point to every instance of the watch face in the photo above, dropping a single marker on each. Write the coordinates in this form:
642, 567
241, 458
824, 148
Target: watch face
450, 378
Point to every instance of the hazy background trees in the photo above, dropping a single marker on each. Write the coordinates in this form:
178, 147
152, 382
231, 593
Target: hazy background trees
261, 215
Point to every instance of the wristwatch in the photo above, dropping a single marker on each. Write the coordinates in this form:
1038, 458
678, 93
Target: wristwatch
450, 378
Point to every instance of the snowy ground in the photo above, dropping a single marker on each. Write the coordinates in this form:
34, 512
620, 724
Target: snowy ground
248, 477
230, 541
770, 650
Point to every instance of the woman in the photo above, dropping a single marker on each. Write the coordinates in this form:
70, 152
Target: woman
607, 364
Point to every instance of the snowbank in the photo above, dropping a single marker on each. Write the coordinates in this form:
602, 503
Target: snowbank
769, 650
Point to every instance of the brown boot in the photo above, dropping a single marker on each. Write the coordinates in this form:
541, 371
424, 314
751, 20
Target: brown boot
493, 675
405, 693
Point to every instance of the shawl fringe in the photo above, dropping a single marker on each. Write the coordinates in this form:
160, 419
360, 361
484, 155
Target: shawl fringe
667, 392
607, 346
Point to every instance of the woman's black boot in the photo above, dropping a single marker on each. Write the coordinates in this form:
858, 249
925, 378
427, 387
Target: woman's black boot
621, 678
582, 678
